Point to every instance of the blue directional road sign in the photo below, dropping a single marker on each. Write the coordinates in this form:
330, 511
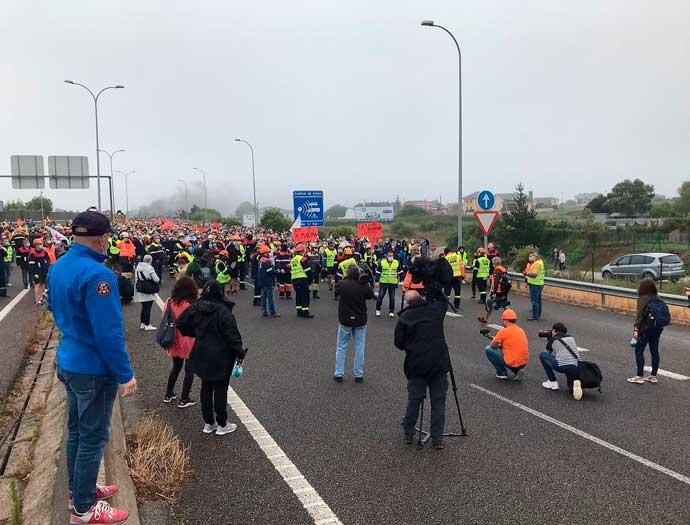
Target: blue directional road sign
308, 207
486, 200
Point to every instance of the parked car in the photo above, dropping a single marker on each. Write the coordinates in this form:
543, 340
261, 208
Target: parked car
645, 266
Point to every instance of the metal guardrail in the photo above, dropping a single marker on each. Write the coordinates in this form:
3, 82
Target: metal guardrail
602, 289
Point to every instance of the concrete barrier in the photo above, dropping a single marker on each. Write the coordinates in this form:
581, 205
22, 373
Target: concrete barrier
680, 315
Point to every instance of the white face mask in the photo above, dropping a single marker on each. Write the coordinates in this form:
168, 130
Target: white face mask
390, 258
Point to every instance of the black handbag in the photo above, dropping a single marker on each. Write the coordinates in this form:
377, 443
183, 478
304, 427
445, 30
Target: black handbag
588, 373
147, 286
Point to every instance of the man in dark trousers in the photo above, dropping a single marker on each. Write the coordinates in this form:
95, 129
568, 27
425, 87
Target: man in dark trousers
419, 333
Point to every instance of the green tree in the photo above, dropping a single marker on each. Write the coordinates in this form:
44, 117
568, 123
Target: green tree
336, 211
521, 226
245, 208
397, 204
15, 206
683, 202
412, 212
231, 221
598, 204
35, 204
274, 219
201, 214
402, 229
630, 198
663, 209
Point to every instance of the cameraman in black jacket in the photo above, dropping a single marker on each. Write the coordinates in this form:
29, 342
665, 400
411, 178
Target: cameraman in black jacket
419, 333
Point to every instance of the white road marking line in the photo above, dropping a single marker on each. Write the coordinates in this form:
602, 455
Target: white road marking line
310, 499
590, 437
5, 311
666, 373
317, 508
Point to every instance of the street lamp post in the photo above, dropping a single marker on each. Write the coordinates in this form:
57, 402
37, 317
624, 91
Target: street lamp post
126, 174
203, 174
256, 208
112, 178
186, 203
430, 23
95, 105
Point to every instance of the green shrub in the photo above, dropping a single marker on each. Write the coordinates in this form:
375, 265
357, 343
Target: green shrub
402, 229
520, 257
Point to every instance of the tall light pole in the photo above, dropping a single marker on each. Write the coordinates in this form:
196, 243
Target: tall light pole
186, 203
430, 23
126, 174
95, 105
256, 208
112, 178
203, 174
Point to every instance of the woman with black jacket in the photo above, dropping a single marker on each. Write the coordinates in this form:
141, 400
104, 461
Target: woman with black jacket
217, 347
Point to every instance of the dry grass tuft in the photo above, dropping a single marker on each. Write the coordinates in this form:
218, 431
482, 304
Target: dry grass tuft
158, 461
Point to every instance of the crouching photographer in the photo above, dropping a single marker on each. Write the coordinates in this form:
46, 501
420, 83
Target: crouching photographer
561, 356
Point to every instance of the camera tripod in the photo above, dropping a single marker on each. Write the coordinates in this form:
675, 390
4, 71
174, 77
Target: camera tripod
422, 435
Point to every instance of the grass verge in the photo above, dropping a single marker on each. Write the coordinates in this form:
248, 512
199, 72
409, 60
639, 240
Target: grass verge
159, 463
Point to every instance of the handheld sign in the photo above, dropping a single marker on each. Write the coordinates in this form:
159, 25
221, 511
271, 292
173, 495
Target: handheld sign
306, 234
372, 230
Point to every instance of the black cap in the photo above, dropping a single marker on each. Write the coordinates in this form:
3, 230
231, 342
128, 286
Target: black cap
90, 224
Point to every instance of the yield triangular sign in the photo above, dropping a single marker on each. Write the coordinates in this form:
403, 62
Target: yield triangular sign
486, 220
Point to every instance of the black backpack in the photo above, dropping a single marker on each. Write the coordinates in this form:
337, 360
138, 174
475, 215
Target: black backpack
165, 335
658, 313
506, 283
588, 373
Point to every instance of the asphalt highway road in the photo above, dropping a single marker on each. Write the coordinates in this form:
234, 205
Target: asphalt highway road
532, 456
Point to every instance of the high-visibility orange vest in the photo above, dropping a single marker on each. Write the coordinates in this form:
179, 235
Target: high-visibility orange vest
409, 285
50, 250
126, 249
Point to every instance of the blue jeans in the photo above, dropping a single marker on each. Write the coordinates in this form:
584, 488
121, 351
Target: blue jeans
648, 337
268, 307
535, 299
550, 364
90, 402
495, 357
359, 334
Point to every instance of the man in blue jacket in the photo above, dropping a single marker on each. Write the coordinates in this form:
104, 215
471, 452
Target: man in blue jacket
92, 361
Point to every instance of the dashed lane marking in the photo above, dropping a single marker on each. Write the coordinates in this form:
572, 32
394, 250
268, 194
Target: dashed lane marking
666, 373
311, 501
644, 461
5, 311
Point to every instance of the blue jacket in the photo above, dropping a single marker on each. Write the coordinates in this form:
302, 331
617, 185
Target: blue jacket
267, 274
85, 301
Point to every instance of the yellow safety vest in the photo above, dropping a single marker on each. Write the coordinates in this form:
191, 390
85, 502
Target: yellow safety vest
454, 260
296, 268
484, 264
538, 268
10, 253
389, 272
330, 257
343, 266
221, 275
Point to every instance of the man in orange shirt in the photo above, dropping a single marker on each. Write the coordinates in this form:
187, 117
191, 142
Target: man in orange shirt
508, 350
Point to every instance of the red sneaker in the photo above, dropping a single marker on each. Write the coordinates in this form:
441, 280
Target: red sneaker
100, 512
102, 492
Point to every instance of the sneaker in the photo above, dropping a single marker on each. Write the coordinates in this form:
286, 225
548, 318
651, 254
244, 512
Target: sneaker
439, 446
639, 380
577, 390
209, 429
229, 428
651, 379
102, 492
517, 375
142, 326
550, 385
409, 439
482, 320
184, 403
264, 316
378, 313
100, 512
170, 399
308, 316
391, 314
149, 328
338, 379
359, 380
275, 316
501, 376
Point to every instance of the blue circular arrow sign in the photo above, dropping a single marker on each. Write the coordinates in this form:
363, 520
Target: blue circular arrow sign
486, 200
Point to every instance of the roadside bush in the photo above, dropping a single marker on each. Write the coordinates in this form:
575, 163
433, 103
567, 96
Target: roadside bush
402, 229
520, 257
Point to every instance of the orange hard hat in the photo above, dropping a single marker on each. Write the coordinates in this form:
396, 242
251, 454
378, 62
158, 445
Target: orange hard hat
264, 249
224, 253
348, 251
38, 241
509, 315
299, 248
234, 238
481, 250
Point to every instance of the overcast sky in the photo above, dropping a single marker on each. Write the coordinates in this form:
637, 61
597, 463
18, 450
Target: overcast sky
354, 97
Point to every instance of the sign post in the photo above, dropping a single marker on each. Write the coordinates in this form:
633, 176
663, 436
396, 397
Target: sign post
487, 221
308, 207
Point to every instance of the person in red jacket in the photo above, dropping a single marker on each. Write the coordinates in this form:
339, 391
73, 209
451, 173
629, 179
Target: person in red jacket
184, 293
23, 253
39, 262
